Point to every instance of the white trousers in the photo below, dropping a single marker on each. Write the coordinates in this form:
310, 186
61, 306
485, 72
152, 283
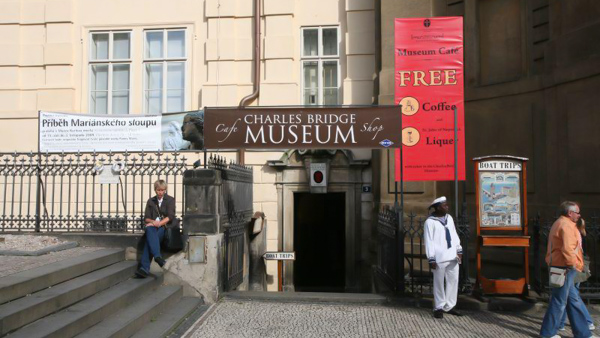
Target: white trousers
445, 298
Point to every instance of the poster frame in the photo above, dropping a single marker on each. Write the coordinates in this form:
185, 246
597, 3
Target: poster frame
522, 193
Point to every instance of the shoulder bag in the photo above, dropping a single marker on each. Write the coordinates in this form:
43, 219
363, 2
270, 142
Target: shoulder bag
557, 275
172, 239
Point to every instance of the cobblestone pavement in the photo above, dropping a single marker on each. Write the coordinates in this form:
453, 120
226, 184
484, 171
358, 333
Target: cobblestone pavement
14, 264
235, 318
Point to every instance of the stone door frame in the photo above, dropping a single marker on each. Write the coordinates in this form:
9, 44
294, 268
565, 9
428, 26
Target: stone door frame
345, 176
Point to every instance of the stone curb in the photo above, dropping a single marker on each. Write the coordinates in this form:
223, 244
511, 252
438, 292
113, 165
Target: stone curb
53, 248
469, 303
310, 297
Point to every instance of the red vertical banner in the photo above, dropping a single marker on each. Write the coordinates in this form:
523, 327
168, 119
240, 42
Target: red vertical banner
429, 84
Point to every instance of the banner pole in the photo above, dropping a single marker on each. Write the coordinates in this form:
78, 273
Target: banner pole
455, 165
38, 171
400, 214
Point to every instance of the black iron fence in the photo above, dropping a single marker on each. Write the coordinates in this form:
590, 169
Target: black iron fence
402, 264
64, 192
235, 242
540, 230
235, 213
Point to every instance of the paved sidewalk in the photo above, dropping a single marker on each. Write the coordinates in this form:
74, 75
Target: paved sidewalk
252, 318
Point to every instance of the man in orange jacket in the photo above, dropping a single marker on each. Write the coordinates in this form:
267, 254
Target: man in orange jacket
564, 251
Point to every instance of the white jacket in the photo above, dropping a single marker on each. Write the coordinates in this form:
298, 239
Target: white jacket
436, 246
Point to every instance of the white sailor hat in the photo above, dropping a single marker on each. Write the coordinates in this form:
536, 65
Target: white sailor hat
438, 200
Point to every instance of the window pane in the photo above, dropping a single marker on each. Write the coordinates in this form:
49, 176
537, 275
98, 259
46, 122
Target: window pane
154, 76
99, 103
330, 78
310, 75
121, 46
330, 43
311, 42
154, 45
176, 44
175, 75
99, 77
153, 102
99, 46
310, 96
330, 96
120, 77
120, 102
174, 100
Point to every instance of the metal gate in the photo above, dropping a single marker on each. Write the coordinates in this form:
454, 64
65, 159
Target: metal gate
402, 265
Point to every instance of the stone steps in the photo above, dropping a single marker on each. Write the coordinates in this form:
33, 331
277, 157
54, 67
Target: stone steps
89, 312
23, 283
25, 310
93, 295
134, 317
167, 321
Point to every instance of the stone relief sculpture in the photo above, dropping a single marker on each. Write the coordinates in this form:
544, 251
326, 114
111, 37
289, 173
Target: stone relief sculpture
193, 129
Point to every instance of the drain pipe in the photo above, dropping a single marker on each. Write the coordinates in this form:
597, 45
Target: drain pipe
248, 99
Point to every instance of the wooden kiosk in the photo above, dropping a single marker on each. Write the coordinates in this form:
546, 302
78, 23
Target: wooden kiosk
501, 192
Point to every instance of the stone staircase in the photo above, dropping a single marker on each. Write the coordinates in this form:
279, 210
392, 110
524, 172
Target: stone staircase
93, 295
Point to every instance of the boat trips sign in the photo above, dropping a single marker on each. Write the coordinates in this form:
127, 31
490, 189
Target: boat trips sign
429, 85
304, 128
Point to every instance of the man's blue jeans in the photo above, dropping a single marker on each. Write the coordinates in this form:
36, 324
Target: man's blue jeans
565, 298
154, 236
588, 318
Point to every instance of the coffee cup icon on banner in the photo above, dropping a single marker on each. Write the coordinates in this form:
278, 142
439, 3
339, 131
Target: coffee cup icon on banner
410, 136
410, 105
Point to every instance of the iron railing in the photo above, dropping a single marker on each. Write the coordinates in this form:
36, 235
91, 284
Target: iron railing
402, 265
235, 239
62, 192
387, 268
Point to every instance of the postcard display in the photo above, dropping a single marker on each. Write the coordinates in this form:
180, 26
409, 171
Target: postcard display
501, 192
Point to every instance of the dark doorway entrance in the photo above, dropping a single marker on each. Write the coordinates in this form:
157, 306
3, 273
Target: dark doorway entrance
319, 242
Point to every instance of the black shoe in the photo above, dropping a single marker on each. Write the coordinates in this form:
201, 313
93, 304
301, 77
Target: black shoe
140, 273
454, 313
438, 313
160, 261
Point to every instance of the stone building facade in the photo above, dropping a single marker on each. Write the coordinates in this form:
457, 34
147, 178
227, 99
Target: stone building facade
532, 71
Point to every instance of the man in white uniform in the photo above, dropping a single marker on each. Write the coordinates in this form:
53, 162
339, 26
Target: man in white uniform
444, 254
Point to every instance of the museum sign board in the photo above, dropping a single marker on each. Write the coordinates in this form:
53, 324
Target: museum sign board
302, 128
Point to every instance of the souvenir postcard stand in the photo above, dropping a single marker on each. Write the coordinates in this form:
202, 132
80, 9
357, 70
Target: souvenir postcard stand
501, 192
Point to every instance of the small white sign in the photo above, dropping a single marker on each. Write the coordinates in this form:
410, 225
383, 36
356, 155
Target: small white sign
500, 166
108, 176
280, 256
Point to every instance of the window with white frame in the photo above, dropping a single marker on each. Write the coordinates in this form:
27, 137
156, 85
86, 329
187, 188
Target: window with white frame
320, 66
110, 72
164, 70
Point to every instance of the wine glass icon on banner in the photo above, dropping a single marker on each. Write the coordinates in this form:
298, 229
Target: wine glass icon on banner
410, 136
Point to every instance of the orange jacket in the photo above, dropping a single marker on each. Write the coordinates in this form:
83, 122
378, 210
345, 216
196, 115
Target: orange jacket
563, 244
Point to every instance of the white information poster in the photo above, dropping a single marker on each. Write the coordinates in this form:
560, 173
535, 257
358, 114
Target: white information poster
60, 132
